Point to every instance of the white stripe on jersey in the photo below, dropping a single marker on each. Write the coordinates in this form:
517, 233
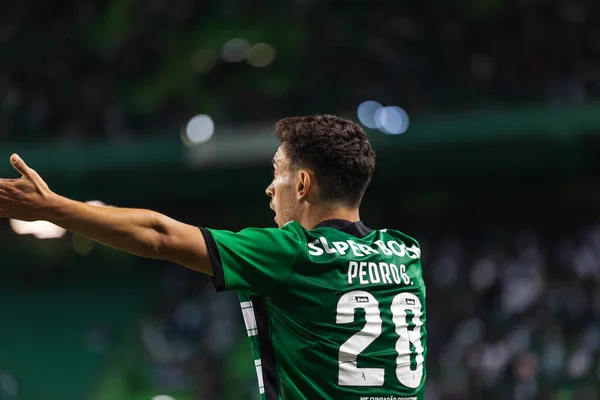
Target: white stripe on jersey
249, 318
259, 374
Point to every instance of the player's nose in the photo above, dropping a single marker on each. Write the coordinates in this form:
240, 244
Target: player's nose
269, 190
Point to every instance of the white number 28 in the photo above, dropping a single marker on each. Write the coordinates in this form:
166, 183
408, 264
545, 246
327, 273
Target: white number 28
349, 372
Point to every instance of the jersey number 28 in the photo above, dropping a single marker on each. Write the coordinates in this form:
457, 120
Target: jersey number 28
349, 372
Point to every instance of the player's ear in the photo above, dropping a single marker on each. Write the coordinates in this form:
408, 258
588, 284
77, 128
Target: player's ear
303, 186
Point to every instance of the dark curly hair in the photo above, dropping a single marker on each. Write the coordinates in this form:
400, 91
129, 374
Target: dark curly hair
335, 149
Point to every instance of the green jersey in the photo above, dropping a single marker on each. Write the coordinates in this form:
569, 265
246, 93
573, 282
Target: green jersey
337, 312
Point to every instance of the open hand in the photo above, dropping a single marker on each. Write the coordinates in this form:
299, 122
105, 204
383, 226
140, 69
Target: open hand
26, 198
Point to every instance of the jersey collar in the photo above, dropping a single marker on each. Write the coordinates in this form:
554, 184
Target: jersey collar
353, 228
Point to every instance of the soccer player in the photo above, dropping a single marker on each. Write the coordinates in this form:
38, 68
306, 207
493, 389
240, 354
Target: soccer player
333, 309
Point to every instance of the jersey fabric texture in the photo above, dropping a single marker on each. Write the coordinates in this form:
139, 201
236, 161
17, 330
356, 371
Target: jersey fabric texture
337, 312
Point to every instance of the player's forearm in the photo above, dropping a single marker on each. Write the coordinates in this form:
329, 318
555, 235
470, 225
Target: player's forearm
135, 231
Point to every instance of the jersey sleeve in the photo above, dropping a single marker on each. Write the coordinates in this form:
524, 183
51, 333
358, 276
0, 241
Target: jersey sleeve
255, 260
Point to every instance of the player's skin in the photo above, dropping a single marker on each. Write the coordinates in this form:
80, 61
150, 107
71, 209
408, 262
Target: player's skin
294, 195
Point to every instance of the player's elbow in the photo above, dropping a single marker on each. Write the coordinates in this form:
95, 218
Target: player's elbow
151, 245
180, 243
153, 239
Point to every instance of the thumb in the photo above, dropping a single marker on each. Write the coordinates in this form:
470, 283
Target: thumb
18, 163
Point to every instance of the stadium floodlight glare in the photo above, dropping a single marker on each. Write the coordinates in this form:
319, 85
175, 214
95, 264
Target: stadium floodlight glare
261, 55
391, 120
198, 130
235, 50
39, 229
366, 113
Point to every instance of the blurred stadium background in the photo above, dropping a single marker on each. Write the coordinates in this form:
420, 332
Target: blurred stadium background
488, 111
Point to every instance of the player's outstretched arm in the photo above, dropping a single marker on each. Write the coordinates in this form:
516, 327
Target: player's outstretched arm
141, 232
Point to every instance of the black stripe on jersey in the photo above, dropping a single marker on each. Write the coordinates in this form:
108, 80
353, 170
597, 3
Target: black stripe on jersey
215, 259
357, 228
267, 353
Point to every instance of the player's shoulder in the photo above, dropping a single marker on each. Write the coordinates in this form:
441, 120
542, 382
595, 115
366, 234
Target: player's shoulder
395, 233
291, 231
294, 228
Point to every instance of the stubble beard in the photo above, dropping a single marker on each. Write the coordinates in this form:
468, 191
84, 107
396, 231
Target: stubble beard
287, 214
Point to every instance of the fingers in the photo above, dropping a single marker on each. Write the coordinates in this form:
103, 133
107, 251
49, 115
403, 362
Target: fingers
5, 184
23, 169
19, 165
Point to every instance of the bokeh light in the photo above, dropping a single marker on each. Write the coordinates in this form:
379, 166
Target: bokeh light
391, 120
261, 55
235, 50
203, 60
39, 229
198, 130
366, 113
96, 203
82, 245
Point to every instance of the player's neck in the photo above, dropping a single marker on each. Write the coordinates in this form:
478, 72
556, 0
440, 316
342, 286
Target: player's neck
315, 215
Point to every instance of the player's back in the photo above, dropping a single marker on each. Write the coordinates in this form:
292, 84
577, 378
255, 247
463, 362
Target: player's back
350, 321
